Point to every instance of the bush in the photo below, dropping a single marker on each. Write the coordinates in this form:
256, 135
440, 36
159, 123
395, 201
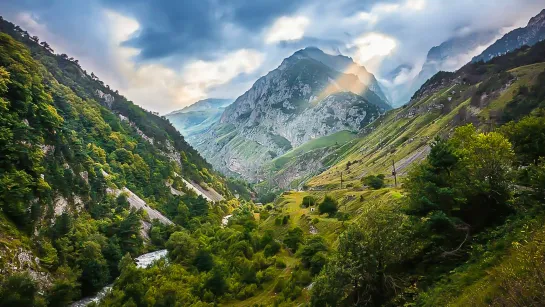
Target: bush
329, 206
18, 290
294, 238
285, 219
309, 201
271, 249
279, 263
375, 182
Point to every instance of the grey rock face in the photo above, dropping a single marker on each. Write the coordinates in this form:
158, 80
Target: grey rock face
301, 100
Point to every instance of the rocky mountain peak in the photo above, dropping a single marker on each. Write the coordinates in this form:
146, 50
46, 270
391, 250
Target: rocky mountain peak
310, 95
538, 20
533, 33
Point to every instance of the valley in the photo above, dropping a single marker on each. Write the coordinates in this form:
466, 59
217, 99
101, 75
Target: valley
315, 187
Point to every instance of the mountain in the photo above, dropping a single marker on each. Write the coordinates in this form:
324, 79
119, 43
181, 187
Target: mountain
448, 56
303, 99
89, 181
86, 176
531, 34
483, 94
198, 117
205, 105
347, 66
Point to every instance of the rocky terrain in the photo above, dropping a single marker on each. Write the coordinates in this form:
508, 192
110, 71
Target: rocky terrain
303, 99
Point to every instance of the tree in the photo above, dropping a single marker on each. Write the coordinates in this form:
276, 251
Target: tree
271, 249
309, 201
328, 205
216, 282
18, 290
528, 138
359, 272
294, 238
375, 182
312, 254
203, 261
181, 247
94, 268
46, 46
65, 288
466, 177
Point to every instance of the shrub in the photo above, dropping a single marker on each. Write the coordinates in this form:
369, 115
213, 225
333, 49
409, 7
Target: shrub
271, 249
328, 205
375, 182
309, 201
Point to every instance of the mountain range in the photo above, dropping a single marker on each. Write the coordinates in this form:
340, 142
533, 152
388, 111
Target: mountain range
198, 117
310, 95
527, 36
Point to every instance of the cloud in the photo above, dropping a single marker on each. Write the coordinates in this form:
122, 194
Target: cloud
163, 88
287, 29
204, 75
372, 45
163, 54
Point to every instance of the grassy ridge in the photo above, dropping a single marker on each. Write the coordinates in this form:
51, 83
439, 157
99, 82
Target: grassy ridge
338, 138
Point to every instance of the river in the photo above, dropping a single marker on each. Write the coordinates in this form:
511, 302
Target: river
142, 261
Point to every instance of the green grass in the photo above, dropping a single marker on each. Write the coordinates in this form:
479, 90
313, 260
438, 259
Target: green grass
339, 138
394, 137
354, 201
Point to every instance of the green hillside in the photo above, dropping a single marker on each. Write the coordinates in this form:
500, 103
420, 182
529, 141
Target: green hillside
339, 138
76, 158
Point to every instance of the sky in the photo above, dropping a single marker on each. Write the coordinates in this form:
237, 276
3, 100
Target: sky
167, 54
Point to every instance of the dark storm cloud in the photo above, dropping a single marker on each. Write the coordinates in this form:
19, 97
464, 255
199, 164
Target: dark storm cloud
195, 27
172, 34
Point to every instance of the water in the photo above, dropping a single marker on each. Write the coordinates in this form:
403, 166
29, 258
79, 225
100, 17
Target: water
88, 300
142, 262
148, 259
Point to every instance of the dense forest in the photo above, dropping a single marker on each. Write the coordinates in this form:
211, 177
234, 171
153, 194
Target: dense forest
64, 152
464, 227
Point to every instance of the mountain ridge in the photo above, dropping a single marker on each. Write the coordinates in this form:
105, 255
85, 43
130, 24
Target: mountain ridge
529, 35
300, 100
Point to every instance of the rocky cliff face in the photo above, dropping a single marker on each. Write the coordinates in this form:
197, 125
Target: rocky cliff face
533, 33
301, 100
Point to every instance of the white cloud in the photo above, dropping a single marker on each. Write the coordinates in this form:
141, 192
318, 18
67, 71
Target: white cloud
373, 45
287, 29
416, 5
382, 10
200, 76
161, 88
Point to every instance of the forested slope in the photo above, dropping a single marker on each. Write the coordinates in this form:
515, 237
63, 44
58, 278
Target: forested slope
77, 161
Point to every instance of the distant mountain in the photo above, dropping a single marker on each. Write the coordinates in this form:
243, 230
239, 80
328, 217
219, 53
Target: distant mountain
205, 105
533, 33
198, 117
303, 99
448, 56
